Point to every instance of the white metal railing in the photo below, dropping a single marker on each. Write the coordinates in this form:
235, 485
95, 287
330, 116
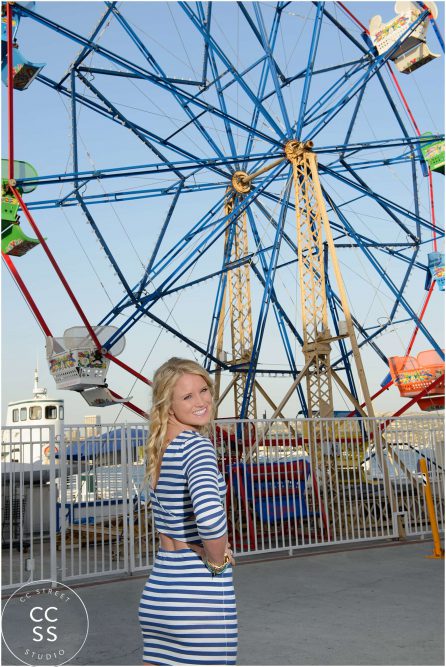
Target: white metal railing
29, 472
301, 483
292, 484
104, 465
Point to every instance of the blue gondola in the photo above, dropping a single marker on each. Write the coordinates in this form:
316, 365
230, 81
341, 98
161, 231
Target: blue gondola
24, 71
435, 270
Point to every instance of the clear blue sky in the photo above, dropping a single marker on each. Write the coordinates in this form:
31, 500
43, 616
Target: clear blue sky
43, 138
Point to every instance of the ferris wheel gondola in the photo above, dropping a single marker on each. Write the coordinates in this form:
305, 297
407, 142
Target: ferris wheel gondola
405, 35
78, 365
14, 240
24, 71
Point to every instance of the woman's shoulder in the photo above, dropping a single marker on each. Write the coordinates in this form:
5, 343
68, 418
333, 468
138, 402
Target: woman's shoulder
192, 440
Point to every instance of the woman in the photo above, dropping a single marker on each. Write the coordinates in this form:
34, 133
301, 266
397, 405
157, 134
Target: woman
187, 610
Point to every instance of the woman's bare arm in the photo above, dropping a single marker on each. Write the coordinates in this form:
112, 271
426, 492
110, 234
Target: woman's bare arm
200, 467
215, 550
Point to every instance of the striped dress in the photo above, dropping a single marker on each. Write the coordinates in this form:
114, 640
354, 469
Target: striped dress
187, 615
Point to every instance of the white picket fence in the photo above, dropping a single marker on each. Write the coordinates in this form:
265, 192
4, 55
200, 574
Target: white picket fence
291, 484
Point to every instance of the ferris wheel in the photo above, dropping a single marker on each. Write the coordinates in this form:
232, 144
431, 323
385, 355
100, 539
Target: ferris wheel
269, 195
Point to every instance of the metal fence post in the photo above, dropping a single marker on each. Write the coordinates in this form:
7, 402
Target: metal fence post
53, 500
128, 533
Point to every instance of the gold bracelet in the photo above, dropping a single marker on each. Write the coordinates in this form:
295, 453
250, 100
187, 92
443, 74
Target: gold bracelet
218, 569
215, 566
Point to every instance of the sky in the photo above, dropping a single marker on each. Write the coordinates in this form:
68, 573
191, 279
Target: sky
43, 138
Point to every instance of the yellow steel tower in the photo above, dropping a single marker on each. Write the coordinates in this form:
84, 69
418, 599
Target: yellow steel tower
312, 225
238, 291
312, 222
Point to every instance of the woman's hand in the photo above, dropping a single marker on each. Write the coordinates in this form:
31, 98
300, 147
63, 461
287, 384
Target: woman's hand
202, 553
229, 552
216, 550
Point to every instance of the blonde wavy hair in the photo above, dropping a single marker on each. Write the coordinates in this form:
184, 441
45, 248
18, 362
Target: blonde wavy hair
164, 381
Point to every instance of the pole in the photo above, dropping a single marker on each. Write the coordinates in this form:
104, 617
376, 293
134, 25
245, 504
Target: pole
10, 94
28, 298
438, 552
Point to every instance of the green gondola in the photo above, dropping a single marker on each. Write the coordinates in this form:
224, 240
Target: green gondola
14, 240
433, 153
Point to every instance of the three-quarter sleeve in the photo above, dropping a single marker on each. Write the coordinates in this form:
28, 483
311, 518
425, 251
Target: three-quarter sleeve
201, 472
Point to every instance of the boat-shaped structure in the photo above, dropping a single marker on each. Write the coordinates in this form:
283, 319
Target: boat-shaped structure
25, 447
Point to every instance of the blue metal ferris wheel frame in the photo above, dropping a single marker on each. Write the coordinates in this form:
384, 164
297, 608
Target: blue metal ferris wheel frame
140, 299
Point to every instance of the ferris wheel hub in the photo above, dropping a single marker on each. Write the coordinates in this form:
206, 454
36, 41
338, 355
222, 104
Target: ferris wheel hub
294, 149
241, 182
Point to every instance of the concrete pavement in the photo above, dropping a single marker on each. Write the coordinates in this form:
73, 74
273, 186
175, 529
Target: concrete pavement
370, 606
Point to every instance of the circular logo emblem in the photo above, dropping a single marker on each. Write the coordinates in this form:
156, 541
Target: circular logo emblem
44, 623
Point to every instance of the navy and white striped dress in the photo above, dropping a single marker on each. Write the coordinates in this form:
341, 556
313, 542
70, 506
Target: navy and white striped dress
187, 615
